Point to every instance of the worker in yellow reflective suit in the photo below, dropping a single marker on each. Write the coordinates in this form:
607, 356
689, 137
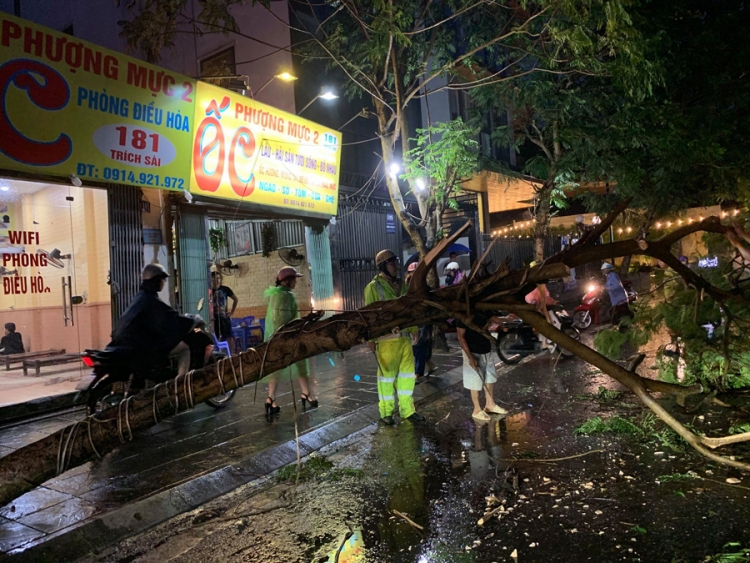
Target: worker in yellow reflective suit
396, 376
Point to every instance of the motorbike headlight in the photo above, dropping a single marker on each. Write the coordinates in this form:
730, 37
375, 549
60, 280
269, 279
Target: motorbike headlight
591, 288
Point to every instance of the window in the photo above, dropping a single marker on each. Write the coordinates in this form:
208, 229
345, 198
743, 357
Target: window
244, 237
219, 64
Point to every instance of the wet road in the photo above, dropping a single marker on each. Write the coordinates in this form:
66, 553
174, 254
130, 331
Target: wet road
621, 498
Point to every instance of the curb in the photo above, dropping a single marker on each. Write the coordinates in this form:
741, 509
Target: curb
138, 516
44, 405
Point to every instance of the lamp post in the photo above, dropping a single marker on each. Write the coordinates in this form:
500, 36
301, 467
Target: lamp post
285, 76
325, 94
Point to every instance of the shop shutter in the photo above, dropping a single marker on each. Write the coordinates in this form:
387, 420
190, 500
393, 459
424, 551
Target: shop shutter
193, 261
321, 271
125, 246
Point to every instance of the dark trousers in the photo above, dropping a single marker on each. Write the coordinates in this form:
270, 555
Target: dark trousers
422, 354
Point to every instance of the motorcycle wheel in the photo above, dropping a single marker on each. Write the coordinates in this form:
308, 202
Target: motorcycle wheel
575, 335
582, 319
221, 401
505, 349
101, 398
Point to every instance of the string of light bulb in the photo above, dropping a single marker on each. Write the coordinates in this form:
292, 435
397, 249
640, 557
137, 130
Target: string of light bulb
516, 228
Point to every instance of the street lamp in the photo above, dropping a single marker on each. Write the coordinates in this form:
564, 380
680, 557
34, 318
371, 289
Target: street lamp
394, 169
285, 76
420, 184
325, 94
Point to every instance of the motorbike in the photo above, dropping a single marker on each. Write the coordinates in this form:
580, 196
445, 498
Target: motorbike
113, 378
587, 313
516, 339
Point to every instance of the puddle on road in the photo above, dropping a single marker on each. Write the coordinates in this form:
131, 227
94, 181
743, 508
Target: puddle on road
438, 480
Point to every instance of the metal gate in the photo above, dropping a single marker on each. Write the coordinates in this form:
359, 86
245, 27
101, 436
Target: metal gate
520, 251
125, 246
193, 261
361, 231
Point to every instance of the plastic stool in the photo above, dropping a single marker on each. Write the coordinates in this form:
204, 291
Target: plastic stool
223, 346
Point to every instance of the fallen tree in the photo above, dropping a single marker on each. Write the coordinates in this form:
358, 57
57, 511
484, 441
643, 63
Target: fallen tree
28, 467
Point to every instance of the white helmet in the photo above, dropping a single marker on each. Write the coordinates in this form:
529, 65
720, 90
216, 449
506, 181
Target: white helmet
607, 266
453, 266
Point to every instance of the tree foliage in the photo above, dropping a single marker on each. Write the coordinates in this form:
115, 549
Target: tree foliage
396, 52
443, 157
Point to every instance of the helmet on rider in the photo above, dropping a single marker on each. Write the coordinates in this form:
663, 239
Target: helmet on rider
607, 266
453, 266
153, 271
383, 257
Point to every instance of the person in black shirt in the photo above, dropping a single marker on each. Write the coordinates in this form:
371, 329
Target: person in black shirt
11, 342
220, 296
479, 367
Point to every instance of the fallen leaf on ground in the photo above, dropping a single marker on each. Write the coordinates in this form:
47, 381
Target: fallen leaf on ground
733, 480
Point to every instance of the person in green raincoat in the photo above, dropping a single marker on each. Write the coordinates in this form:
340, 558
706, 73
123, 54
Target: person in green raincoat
283, 308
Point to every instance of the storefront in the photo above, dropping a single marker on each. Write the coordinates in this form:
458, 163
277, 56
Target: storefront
55, 253
108, 163
264, 185
84, 133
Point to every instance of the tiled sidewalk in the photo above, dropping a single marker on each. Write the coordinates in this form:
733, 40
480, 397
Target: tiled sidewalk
201, 443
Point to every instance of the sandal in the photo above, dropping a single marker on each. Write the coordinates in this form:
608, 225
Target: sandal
304, 398
496, 410
481, 416
270, 408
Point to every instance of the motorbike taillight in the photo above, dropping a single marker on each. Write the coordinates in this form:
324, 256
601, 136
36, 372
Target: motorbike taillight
88, 361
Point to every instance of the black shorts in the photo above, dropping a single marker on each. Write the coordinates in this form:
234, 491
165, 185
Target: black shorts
223, 327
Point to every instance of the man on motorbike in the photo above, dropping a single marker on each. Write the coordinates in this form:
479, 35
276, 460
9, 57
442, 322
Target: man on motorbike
618, 297
151, 328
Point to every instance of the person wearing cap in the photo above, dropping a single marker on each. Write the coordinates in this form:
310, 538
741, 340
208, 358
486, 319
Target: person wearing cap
220, 296
11, 342
151, 328
618, 298
283, 308
394, 352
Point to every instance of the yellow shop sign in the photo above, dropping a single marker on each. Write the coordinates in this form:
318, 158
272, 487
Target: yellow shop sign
71, 107
245, 150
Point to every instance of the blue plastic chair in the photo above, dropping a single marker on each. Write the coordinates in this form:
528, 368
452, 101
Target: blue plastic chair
222, 346
236, 323
238, 333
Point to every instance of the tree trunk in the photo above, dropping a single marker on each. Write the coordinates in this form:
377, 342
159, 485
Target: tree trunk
27, 467
541, 221
387, 143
